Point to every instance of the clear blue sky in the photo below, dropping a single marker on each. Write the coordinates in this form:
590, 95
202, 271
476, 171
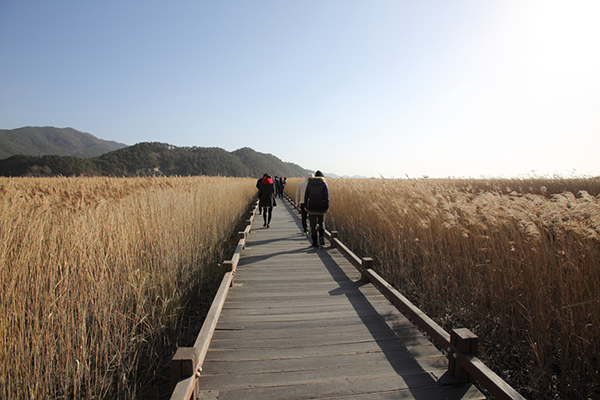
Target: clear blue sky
495, 88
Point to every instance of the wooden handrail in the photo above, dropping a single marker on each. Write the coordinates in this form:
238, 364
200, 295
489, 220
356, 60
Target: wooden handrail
208, 327
469, 366
185, 388
186, 365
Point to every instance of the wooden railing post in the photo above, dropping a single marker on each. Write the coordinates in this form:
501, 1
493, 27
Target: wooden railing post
466, 343
367, 263
184, 365
334, 235
228, 267
242, 235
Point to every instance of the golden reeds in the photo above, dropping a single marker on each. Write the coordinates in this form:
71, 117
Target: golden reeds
516, 261
95, 273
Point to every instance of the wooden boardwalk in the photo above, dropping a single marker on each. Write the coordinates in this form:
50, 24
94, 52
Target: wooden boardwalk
298, 323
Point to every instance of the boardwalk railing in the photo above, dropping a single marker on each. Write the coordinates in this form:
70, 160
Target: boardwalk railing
460, 344
186, 365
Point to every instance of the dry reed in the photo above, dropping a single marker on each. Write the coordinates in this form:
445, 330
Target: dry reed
516, 261
95, 273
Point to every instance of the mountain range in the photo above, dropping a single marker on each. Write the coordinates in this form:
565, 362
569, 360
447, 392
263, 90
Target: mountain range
49, 151
47, 140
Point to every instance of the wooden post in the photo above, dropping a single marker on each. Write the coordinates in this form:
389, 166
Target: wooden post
466, 342
334, 235
184, 365
228, 267
242, 235
367, 263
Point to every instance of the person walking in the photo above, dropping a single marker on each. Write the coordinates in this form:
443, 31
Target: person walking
266, 198
282, 183
316, 203
278, 186
300, 191
258, 187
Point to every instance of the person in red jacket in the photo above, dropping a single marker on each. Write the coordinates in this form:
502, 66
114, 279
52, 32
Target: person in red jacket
266, 198
258, 187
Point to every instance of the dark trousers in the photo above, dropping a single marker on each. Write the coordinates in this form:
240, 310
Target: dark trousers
267, 213
303, 217
315, 220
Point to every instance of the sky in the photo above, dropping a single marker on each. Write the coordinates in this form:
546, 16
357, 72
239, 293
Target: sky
394, 89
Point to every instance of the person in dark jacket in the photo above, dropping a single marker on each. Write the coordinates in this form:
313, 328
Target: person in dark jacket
282, 183
300, 191
316, 203
266, 198
276, 182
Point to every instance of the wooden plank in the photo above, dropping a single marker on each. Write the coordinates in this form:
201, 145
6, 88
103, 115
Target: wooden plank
333, 388
274, 309
314, 340
320, 286
297, 331
331, 376
323, 350
456, 392
308, 324
395, 359
237, 302
311, 316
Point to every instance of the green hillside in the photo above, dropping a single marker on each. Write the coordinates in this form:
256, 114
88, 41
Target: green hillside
261, 163
53, 141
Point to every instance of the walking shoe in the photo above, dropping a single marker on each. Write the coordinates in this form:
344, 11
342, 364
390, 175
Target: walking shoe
322, 241
314, 245
305, 233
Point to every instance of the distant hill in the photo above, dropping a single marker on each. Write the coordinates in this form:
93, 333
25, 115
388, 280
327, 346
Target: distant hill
48, 140
261, 163
154, 159
334, 176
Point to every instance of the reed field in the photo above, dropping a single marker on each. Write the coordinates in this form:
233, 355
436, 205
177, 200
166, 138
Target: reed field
96, 274
515, 261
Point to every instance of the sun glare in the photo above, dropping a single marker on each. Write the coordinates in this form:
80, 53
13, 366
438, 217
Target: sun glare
562, 46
